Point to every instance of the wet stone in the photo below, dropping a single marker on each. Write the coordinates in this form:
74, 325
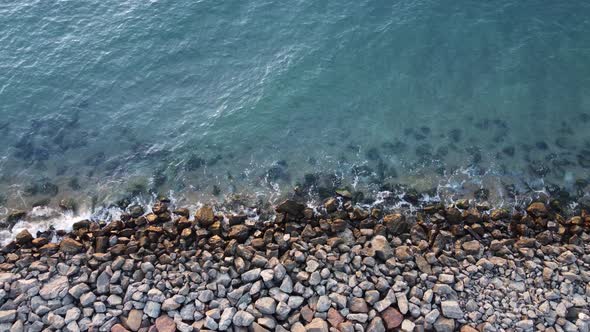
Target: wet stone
290, 207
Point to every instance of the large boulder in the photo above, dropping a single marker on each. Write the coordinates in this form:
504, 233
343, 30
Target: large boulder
70, 246
239, 232
24, 238
205, 216
397, 224
291, 207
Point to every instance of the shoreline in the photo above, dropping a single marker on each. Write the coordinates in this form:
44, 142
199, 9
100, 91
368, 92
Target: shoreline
463, 267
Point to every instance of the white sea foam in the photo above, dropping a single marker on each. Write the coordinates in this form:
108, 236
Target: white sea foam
41, 219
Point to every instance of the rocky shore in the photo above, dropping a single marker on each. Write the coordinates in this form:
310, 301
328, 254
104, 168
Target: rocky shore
335, 267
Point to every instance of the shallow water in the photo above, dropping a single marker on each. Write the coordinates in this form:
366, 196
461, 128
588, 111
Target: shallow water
200, 99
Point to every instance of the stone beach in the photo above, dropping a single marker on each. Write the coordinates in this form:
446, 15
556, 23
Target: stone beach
332, 267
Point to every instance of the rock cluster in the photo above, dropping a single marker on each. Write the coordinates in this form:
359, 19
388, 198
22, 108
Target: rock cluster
332, 268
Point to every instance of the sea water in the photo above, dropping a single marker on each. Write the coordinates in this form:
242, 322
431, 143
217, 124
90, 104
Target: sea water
108, 100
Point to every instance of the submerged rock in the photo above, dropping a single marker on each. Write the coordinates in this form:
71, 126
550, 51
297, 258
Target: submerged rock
194, 162
15, 216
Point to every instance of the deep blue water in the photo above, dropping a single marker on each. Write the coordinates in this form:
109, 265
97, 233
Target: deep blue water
199, 99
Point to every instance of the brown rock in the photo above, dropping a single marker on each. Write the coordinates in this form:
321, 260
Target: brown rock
165, 324
216, 241
317, 325
82, 224
101, 244
291, 207
500, 214
216, 228
467, 328
118, 328
392, 318
24, 238
236, 219
397, 224
472, 247
453, 215
404, 253
186, 233
160, 207
471, 216
338, 225
205, 216
133, 320
118, 249
151, 218
183, 223
331, 204
334, 317
70, 246
40, 242
537, 209
258, 243
49, 249
239, 232
182, 212
358, 214
462, 204
358, 304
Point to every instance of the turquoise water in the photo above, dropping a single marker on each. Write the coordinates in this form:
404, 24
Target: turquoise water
200, 99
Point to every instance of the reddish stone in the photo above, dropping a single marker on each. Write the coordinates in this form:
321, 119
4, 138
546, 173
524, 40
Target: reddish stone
392, 318
118, 328
334, 317
307, 313
165, 324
